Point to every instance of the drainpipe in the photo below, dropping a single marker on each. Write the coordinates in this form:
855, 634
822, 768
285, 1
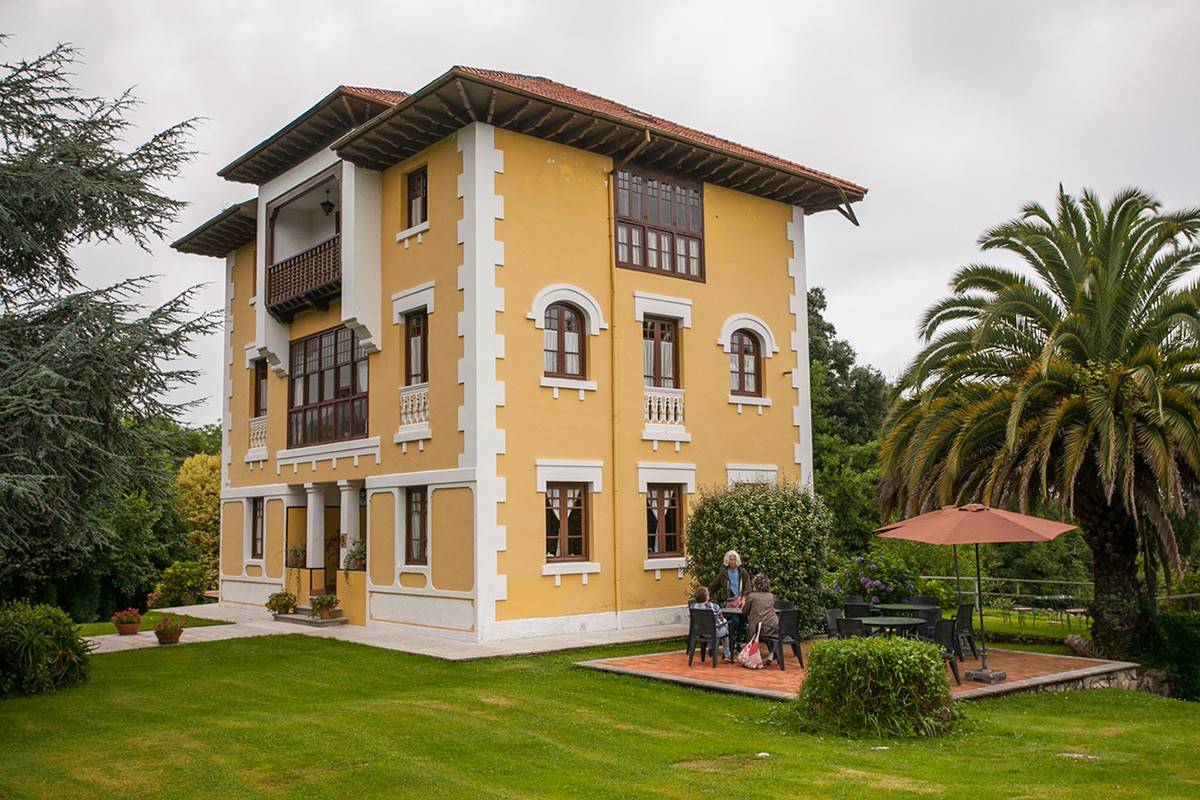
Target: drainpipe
614, 475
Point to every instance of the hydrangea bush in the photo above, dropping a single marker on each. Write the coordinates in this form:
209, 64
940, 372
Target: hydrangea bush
878, 576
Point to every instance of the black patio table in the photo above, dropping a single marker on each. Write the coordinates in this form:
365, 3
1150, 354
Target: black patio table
910, 609
892, 624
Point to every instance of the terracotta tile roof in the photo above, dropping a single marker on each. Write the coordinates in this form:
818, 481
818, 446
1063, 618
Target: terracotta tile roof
561, 93
389, 96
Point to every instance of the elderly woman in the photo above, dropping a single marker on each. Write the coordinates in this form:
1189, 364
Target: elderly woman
760, 615
732, 581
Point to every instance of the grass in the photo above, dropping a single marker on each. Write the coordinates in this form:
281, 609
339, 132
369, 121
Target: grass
297, 716
148, 620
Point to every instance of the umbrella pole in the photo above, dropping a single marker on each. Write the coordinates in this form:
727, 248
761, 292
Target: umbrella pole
957, 579
979, 600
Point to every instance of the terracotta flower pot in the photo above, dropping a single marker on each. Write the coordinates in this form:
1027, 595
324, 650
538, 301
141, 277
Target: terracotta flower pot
128, 628
325, 613
168, 637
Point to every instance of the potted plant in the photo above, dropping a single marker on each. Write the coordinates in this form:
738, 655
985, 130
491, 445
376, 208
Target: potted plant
170, 628
281, 603
128, 622
295, 555
356, 557
323, 605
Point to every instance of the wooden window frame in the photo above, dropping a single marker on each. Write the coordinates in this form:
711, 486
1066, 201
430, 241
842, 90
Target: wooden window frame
422, 315
257, 528
563, 488
299, 371
660, 534
420, 494
656, 367
581, 319
258, 391
410, 182
736, 348
636, 182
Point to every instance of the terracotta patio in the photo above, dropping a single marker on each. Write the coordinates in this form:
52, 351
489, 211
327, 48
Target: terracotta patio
1026, 672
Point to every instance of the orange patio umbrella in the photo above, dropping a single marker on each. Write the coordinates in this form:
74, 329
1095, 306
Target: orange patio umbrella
975, 524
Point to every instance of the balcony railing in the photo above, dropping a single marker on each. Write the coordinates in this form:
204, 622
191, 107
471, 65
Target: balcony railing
310, 278
414, 404
663, 407
258, 433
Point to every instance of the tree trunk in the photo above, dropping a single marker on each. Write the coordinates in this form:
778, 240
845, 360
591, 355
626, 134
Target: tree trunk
1118, 618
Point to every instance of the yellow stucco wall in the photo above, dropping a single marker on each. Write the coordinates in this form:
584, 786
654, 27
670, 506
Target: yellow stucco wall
352, 595
274, 537
381, 544
746, 249
452, 539
232, 532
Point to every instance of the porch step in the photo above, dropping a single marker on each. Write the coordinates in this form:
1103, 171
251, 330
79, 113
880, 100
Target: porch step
300, 617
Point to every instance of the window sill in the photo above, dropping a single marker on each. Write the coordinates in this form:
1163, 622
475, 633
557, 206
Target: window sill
580, 568
571, 384
749, 400
413, 569
665, 433
416, 230
417, 432
664, 562
256, 454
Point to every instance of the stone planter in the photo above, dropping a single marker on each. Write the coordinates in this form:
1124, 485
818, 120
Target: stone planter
325, 613
128, 628
168, 637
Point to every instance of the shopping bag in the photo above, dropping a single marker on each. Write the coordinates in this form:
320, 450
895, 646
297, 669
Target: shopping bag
749, 656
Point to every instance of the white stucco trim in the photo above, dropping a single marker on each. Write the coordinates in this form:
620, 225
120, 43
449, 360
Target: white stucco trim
550, 470
659, 305
408, 233
333, 452
755, 402
798, 305
428, 477
251, 354
412, 299
753, 324
271, 337
751, 473
256, 454
666, 472
248, 591
566, 293
483, 345
362, 210
570, 384
227, 375
417, 432
585, 623
557, 569
660, 565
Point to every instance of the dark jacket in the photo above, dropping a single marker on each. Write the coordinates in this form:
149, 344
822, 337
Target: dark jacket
760, 609
719, 588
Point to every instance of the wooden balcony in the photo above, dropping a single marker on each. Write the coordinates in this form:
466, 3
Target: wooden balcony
308, 279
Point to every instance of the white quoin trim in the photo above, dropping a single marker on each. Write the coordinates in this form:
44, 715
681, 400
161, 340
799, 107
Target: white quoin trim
483, 392
362, 208
753, 324
227, 375
565, 293
798, 305
658, 305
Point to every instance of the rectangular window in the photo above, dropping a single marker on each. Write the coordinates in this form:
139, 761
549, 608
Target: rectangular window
260, 388
566, 522
256, 528
327, 400
416, 548
659, 223
664, 519
416, 348
418, 197
660, 353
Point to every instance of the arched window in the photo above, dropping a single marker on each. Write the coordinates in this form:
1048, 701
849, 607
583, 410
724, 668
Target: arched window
745, 364
562, 338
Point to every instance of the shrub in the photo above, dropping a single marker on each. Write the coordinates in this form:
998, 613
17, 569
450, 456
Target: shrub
871, 686
1175, 649
780, 530
129, 616
183, 583
878, 576
296, 556
322, 602
281, 603
943, 591
40, 650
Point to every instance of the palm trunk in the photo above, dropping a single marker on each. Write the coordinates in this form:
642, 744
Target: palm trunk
1112, 535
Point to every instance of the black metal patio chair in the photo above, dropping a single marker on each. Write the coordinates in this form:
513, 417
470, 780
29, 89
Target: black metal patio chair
789, 634
943, 636
964, 631
702, 633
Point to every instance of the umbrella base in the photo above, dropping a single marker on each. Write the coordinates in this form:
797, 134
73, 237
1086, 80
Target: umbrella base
986, 675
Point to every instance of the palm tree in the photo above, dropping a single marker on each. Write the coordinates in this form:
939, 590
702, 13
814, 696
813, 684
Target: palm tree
1068, 386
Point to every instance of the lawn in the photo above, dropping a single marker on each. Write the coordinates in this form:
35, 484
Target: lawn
296, 716
148, 620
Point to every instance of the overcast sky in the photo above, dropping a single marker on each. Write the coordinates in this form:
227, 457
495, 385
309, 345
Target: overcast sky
953, 114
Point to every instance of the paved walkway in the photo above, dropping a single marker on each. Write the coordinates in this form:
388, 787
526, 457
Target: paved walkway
1025, 671
251, 621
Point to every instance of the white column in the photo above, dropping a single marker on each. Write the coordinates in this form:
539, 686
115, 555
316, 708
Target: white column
316, 525
349, 518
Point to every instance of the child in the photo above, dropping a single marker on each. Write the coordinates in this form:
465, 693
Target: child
700, 600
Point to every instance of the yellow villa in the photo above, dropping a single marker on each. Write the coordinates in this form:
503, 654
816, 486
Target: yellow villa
484, 341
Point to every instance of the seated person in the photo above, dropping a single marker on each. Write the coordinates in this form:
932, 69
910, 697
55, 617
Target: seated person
760, 615
700, 600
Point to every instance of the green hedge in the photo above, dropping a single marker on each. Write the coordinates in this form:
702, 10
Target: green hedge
780, 530
40, 650
876, 687
1175, 649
